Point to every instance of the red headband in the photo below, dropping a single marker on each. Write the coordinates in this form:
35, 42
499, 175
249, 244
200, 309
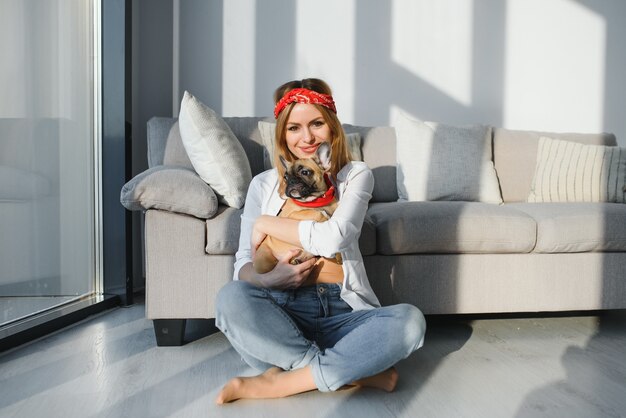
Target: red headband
301, 95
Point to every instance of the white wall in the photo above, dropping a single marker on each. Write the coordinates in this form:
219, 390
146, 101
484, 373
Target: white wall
526, 64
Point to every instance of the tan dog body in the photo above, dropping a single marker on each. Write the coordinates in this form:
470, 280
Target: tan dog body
304, 181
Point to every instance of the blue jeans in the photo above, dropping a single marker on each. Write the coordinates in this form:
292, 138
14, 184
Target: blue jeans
313, 326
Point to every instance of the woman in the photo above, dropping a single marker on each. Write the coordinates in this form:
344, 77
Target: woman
317, 335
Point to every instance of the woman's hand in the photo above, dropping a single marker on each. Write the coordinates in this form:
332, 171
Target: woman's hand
286, 275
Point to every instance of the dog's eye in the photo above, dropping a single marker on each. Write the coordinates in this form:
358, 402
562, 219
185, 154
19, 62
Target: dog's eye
285, 176
305, 172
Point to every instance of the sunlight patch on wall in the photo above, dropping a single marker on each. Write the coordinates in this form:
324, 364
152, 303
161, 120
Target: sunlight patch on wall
325, 48
238, 68
555, 66
433, 40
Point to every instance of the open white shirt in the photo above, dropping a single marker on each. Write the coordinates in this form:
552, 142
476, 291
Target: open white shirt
340, 233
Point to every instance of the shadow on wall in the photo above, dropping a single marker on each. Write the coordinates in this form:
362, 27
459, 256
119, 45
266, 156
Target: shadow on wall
375, 97
275, 49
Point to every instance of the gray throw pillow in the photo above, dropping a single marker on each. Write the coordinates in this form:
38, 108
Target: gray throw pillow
174, 189
444, 162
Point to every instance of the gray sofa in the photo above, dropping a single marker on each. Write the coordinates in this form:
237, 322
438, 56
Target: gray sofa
444, 257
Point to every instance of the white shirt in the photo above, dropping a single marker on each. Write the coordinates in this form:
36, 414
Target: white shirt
340, 233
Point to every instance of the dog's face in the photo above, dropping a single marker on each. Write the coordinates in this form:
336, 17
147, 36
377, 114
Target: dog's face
304, 178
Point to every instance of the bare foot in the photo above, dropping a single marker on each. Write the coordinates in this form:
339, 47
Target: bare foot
273, 383
386, 380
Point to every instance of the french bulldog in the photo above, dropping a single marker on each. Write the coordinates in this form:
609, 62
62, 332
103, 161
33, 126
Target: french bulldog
309, 196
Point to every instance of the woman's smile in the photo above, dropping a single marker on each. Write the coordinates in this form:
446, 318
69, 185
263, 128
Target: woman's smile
310, 149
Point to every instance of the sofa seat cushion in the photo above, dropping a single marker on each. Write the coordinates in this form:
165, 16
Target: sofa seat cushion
577, 227
222, 233
451, 228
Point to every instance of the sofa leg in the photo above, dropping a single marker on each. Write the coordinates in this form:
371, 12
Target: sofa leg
169, 332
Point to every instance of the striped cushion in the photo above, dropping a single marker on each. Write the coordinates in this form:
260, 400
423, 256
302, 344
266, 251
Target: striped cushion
572, 172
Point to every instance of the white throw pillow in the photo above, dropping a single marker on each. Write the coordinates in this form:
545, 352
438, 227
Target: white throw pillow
215, 152
444, 162
268, 134
571, 172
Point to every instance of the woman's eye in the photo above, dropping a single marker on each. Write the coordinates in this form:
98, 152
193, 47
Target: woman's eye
292, 128
318, 123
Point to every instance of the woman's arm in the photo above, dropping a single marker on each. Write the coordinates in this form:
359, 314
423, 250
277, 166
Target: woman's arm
324, 238
284, 229
284, 275
344, 226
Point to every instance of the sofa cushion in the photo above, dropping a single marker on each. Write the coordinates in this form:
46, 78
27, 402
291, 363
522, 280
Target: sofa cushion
577, 227
175, 189
174, 153
451, 228
165, 143
268, 134
367, 240
215, 152
379, 152
247, 132
223, 233
515, 157
444, 162
571, 172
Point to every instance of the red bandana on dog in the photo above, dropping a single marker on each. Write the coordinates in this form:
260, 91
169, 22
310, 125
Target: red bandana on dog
321, 201
301, 95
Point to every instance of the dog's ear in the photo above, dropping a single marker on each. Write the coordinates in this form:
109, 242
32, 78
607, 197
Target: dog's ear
323, 155
286, 164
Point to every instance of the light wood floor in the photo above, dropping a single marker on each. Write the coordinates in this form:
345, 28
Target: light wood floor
109, 366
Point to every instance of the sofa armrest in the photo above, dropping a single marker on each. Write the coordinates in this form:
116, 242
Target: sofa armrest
169, 188
182, 280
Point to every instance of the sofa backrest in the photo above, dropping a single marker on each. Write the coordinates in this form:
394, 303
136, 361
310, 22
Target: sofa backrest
515, 157
165, 147
515, 152
378, 145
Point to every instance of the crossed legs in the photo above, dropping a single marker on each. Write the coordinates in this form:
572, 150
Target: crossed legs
268, 338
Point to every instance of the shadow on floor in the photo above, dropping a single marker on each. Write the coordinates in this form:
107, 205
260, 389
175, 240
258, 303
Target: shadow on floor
595, 381
444, 336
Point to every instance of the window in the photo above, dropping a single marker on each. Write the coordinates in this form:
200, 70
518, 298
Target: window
49, 242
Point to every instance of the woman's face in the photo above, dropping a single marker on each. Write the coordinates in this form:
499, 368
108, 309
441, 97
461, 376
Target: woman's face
306, 130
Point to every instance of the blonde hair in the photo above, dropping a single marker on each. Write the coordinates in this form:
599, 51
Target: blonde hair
340, 155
